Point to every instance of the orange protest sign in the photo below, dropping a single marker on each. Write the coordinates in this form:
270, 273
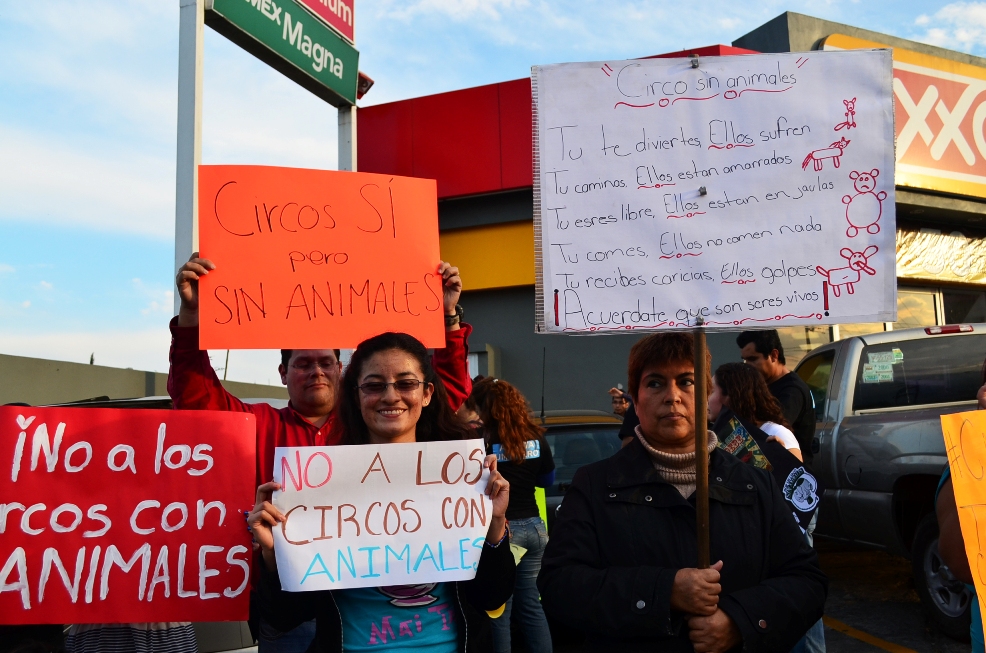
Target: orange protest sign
965, 445
309, 259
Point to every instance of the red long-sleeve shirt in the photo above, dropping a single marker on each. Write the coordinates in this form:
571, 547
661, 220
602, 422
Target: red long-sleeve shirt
193, 385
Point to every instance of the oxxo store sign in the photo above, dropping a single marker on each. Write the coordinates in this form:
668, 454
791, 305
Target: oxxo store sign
293, 41
940, 114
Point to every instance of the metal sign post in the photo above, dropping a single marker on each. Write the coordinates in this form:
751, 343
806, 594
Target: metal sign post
347, 138
305, 49
191, 35
701, 443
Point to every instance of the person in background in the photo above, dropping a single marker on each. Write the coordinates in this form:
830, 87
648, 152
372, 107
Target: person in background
740, 392
628, 429
312, 379
981, 395
764, 351
311, 375
951, 546
524, 459
469, 416
391, 394
742, 389
623, 406
621, 563
620, 401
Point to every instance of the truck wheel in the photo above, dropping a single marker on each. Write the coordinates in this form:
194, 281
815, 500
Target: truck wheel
945, 598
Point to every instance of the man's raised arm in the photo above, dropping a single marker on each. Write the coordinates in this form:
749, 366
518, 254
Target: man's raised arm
192, 383
452, 362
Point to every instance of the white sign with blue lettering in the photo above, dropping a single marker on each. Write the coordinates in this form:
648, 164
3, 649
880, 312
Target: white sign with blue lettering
380, 515
532, 450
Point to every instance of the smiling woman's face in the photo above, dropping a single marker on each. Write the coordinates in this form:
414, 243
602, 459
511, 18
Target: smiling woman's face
666, 406
391, 415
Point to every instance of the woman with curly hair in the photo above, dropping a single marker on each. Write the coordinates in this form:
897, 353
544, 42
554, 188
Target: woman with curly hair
525, 461
742, 389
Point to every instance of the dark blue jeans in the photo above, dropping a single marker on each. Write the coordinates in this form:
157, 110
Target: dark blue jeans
298, 640
814, 639
525, 604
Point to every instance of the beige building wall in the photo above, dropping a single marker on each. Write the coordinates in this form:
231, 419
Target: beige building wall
39, 381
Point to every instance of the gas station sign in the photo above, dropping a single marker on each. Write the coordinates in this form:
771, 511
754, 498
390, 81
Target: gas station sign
337, 14
292, 41
940, 110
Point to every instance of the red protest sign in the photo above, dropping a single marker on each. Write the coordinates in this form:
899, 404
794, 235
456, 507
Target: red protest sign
309, 259
115, 516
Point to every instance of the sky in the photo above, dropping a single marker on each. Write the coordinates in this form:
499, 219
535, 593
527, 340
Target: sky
88, 96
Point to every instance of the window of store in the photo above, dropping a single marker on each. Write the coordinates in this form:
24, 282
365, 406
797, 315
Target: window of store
925, 306
798, 341
964, 306
917, 306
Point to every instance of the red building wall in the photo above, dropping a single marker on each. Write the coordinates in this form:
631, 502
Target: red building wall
473, 141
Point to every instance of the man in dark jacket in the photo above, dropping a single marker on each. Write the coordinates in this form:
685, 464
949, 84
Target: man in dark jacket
764, 351
620, 564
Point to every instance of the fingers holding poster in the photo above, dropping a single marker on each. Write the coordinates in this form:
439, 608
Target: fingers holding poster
965, 446
124, 515
375, 516
309, 257
752, 190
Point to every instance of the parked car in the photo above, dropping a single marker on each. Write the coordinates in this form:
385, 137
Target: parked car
576, 438
879, 448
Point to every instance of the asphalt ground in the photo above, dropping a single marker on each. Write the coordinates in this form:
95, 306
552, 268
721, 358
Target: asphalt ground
872, 607
873, 601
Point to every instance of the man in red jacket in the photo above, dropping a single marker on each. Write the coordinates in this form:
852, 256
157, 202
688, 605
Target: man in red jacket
311, 375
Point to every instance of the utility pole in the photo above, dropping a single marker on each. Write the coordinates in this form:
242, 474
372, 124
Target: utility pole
191, 35
347, 138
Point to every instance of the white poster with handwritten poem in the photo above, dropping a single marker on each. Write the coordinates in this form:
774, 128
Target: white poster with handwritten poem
744, 191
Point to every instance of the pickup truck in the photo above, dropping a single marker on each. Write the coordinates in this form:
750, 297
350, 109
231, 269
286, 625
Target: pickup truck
879, 449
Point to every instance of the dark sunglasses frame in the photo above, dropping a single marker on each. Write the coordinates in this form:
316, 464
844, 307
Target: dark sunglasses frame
402, 386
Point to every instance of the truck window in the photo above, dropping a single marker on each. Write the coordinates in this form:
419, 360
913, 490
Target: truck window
917, 372
816, 371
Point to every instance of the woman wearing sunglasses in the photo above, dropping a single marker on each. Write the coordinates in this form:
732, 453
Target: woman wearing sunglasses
391, 394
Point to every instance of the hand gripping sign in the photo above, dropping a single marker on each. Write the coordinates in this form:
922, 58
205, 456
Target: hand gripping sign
965, 445
114, 516
380, 515
317, 258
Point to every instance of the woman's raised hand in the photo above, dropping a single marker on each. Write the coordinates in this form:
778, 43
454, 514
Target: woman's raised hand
497, 489
262, 520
